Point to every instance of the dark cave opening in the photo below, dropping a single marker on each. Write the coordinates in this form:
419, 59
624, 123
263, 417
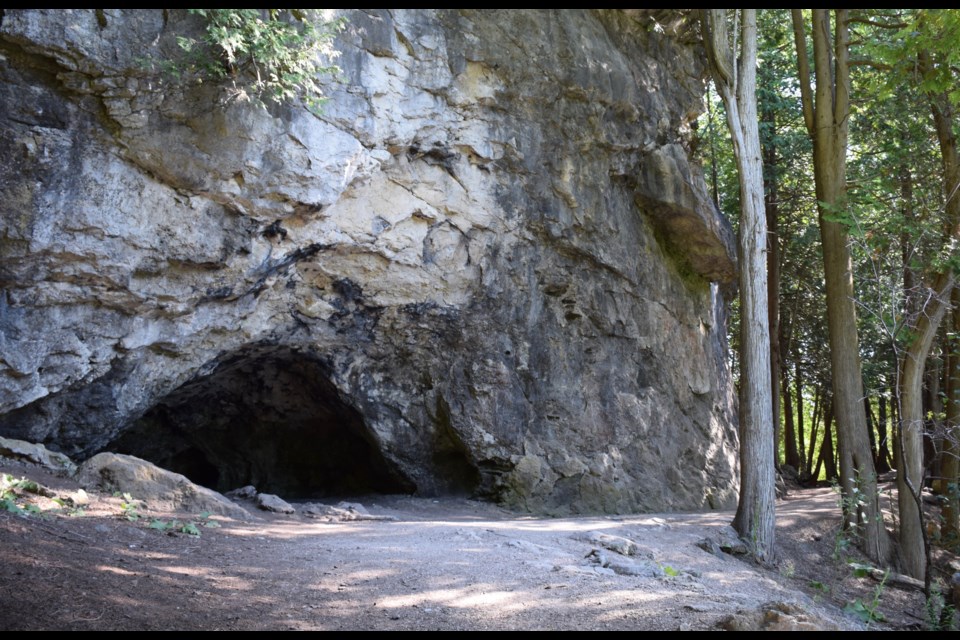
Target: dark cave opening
270, 417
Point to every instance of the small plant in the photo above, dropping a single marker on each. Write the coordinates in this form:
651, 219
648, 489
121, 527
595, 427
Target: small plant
68, 507
868, 612
260, 55
175, 526
841, 544
204, 520
10, 498
941, 615
819, 586
788, 570
190, 527
861, 570
128, 507
670, 571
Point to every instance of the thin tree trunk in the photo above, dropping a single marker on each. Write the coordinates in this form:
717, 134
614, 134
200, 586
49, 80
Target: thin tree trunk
773, 286
951, 448
735, 79
791, 455
826, 448
883, 455
814, 427
870, 431
911, 474
932, 410
906, 243
798, 382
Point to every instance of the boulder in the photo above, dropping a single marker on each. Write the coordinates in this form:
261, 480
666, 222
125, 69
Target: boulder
36, 454
160, 489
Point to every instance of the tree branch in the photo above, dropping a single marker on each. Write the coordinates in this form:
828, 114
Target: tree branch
865, 62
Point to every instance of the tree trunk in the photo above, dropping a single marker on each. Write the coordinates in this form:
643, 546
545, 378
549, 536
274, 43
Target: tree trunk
911, 473
906, 242
773, 287
826, 448
932, 307
883, 455
827, 121
798, 382
868, 412
932, 410
736, 84
814, 427
791, 455
951, 446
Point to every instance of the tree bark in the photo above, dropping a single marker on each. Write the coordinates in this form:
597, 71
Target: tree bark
736, 84
932, 308
951, 449
883, 455
868, 412
911, 472
814, 427
827, 116
798, 383
826, 448
772, 213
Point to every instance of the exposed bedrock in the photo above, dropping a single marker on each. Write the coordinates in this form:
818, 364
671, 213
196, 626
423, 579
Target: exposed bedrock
488, 268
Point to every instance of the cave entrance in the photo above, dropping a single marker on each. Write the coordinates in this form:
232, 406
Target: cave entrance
266, 416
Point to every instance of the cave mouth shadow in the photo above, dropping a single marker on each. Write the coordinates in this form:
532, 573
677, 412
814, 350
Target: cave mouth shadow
270, 417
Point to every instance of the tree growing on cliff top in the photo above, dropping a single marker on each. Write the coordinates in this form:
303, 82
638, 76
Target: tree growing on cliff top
260, 55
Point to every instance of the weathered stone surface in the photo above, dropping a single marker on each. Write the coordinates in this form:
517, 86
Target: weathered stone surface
343, 512
617, 544
248, 492
270, 502
485, 269
777, 616
162, 490
726, 540
37, 454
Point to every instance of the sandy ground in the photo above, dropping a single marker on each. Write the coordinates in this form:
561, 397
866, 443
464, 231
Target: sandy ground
446, 564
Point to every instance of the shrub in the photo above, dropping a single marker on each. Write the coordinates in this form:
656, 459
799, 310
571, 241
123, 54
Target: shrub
260, 55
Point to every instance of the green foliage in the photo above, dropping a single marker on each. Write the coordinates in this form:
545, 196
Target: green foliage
260, 55
819, 586
868, 612
11, 501
175, 526
129, 508
189, 527
941, 615
7, 503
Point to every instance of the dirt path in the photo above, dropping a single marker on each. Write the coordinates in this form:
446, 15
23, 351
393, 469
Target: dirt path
448, 564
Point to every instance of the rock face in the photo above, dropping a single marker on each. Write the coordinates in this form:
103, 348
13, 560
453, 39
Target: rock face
488, 267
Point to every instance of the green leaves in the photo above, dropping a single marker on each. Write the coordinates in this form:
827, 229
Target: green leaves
190, 527
175, 526
862, 611
262, 55
860, 570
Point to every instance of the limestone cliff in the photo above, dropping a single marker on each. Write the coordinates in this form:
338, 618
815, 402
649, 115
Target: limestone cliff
485, 268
